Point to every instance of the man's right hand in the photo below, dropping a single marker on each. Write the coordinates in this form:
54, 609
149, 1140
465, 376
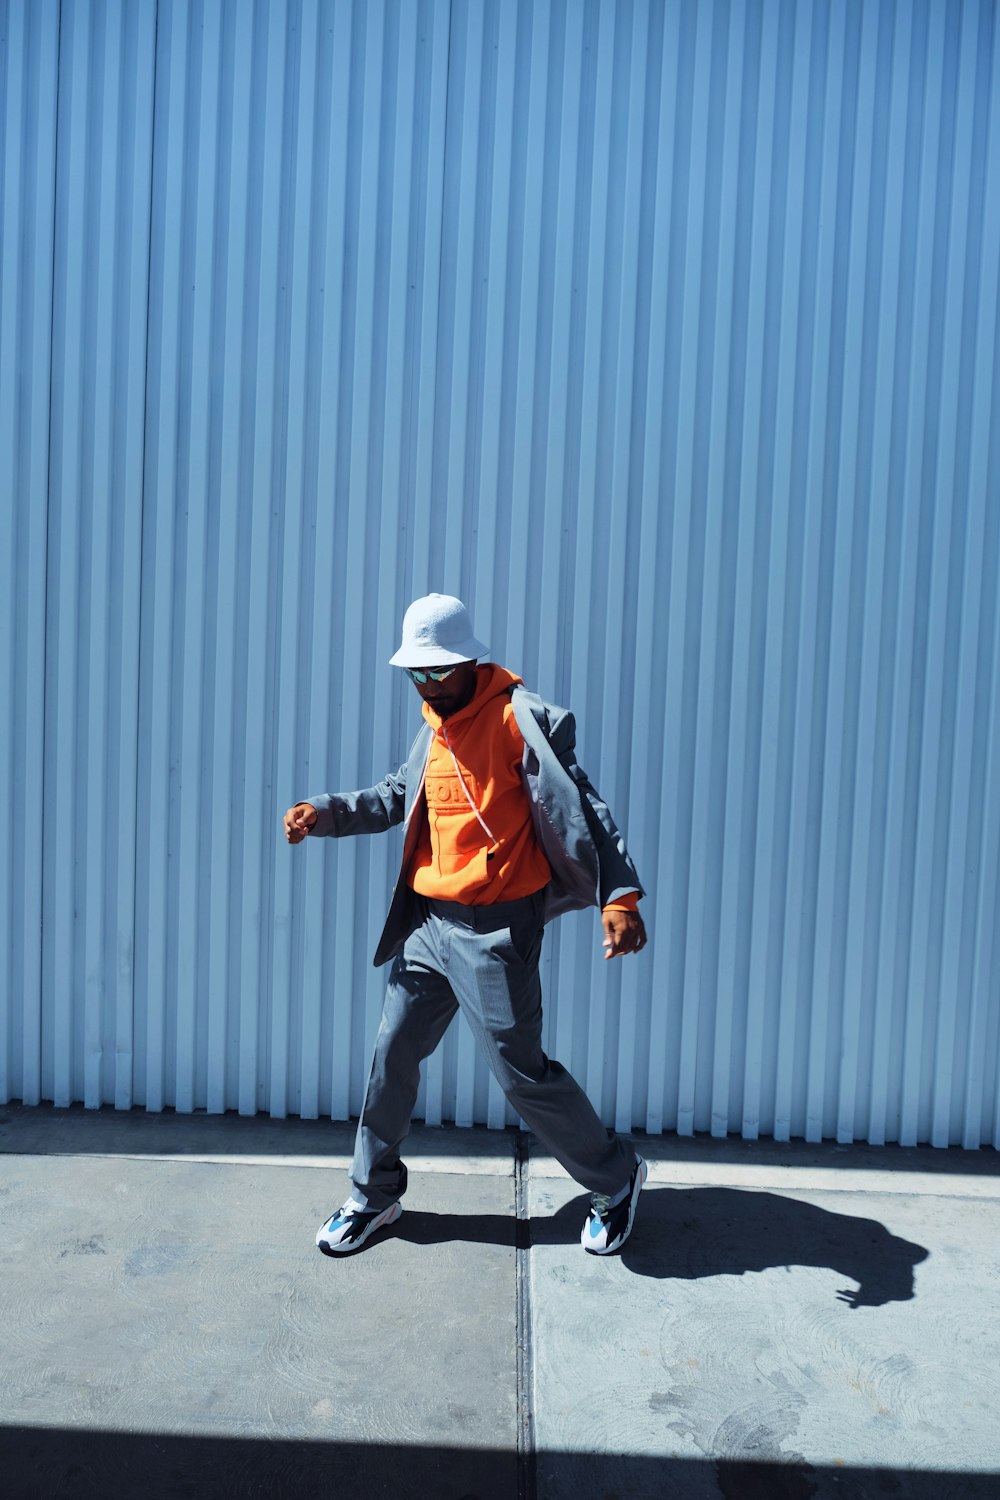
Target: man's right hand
298, 821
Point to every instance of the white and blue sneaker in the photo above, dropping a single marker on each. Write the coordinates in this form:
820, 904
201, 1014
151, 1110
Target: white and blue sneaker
610, 1220
352, 1226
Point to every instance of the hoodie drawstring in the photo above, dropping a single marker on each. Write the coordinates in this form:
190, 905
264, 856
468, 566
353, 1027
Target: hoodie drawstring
468, 796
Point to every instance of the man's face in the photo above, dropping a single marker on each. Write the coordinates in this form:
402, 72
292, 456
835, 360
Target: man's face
453, 693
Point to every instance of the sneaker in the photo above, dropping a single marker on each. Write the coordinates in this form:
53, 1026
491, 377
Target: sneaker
609, 1225
352, 1226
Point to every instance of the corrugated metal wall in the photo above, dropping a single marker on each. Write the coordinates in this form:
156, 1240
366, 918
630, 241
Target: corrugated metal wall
667, 335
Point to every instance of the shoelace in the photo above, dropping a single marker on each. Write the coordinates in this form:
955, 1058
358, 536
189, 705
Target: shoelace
600, 1204
348, 1209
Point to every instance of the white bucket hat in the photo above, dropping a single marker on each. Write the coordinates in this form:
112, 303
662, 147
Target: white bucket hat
436, 632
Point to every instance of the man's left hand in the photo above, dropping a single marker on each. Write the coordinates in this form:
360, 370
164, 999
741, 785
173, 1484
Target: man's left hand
624, 932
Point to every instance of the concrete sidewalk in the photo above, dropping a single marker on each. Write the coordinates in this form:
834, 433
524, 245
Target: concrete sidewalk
786, 1321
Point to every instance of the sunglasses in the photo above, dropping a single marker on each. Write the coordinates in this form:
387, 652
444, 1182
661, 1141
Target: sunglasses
437, 674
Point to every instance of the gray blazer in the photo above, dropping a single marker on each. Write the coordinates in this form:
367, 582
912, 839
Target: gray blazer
587, 855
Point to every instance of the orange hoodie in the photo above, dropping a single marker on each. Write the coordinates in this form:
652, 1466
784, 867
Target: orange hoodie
478, 843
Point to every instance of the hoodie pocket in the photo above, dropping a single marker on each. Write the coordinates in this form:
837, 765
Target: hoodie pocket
485, 865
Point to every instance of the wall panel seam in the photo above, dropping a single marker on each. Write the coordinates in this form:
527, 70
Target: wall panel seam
44, 545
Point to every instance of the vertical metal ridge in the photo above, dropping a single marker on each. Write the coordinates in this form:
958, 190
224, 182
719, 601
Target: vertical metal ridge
491, 545
799, 898
71, 405
361, 502
858, 997
321, 908
618, 695
631, 1091
296, 1064
655, 538
94, 720
222, 975
982, 1070
712, 957
37, 1079
131, 1071
292, 1080
577, 1034
27, 292
418, 572
156, 1082
390, 295
872, 1084
684, 657
839, 765
768, 864
132, 402
12, 95
194, 354
896, 904
462, 397
966, 573
257, 883
922, 1077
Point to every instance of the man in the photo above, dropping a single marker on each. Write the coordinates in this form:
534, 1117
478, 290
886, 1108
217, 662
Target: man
502, 831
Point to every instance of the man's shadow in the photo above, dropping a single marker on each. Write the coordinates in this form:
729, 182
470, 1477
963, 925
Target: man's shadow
690, 1232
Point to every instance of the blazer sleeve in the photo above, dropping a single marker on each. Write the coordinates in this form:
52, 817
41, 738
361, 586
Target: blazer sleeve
618, 874
373, 810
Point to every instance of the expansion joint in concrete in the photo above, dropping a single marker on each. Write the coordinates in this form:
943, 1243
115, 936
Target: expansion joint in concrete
526, 1489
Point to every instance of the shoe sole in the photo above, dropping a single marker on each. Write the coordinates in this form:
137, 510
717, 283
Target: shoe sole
640, 1181
388, 1218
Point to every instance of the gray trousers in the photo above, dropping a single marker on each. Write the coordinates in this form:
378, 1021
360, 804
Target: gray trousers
484, 960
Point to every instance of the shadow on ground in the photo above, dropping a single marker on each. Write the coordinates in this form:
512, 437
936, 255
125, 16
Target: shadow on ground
59, 1464
716, 1231
687, 1233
